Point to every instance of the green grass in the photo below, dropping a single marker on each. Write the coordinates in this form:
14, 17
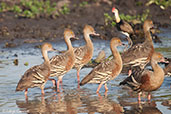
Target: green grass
109, 20
65, 10
162, 3
35, 8
82, 4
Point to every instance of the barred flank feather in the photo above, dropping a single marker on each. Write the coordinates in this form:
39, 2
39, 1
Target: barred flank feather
33, 77
133, 80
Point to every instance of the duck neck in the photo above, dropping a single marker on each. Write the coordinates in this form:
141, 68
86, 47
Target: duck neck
45, 56
148, 37
68, 43
116, 54
88, 40
158, 71
117, 17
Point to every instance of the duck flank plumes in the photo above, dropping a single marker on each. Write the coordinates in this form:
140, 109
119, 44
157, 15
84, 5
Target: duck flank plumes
38, 75
139, 55
84, 53
107, 70
61, 64
146, 80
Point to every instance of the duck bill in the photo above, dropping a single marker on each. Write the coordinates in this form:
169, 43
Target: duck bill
163, 60
76, 38
96, 34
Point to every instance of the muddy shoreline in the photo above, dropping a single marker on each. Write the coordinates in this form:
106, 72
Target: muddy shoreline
16, 31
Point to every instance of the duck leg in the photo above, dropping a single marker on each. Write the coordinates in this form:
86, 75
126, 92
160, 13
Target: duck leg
139, 97
54, 82
61, 84
100, 85
78, 75
149, 97
58, 83
106, 88
129, 72
42, 90
25, 93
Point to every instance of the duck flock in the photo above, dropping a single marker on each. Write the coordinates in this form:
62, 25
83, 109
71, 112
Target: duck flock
135, 58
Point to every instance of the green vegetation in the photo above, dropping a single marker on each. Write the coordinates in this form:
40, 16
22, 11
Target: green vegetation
4, 7
127, 17
138, 18
34, 8
83, 3
109, 20
64, 10
139, 3
162, 3
144, 16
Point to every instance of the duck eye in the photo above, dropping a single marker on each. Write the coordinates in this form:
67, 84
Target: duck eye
71, 33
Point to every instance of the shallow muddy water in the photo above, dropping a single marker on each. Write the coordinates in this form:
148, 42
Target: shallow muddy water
73, 100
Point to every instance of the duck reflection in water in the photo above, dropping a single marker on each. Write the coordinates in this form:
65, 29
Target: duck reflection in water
146, 108
59, 103
70, 102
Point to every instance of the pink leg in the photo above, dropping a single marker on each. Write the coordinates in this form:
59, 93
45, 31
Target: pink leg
43, 93
61, 84
42, 90
78, 75
58, 82
100, 85
78, 85
149, 97
54, 82
139, 98
100, 97
129, 72
106, 89
25, 93
42, 99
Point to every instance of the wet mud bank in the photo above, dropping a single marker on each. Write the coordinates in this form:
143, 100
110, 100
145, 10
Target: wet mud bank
18, 30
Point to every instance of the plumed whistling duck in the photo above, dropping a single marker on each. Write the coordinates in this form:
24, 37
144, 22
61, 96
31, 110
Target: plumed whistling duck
146, 80
84, 53
139, 54
37, 75
61, 64
107, 70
